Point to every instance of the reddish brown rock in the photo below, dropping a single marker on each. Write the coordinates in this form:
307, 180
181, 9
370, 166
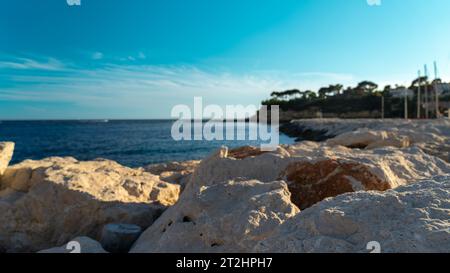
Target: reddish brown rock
310, 183
244, 152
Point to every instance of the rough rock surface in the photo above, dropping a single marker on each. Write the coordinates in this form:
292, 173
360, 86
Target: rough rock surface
395, 166
368, 139
173, 172
412, 218
310, 183
6, 153
386, 165
231, 216
433, 136
77, 245
216, 211
45, 203
222, 166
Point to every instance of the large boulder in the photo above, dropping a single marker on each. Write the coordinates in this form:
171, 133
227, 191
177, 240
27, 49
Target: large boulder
230, 216
47, 202
412, 218
6, 153
226, 164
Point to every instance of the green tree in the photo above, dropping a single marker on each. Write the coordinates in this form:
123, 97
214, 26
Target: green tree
421, 80
387, 90
367, 86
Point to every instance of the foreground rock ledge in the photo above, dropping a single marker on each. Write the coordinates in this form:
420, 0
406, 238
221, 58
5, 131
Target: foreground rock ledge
413, 218
231, 216
237, 204
47, 202
250, 216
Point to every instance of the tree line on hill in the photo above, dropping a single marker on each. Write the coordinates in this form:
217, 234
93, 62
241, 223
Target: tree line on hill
365, 96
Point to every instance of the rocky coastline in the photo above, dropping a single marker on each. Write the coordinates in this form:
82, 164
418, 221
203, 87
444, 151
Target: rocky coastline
360, 181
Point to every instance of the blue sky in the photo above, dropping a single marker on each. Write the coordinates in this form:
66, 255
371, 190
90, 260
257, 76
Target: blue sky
137, 59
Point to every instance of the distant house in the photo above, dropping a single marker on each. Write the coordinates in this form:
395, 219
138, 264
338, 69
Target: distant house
443, 88
400, 92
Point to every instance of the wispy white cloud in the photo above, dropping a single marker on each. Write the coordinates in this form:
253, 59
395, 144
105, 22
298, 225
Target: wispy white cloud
134, 57
26, 63
180, 79
97, 56
136, 87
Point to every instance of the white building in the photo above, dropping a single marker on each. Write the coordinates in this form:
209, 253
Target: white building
400, 92
443, 88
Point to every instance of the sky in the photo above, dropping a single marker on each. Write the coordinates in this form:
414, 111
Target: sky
138, 59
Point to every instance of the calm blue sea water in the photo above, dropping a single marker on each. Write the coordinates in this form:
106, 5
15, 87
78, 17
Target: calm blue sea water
129, 142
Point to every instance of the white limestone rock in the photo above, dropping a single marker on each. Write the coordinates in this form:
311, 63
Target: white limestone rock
6, 153
412, 218
173, 172
227, 164
46, 202
368, 139
433, 136
230, 216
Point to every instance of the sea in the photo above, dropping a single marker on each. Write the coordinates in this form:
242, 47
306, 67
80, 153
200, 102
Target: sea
132, 143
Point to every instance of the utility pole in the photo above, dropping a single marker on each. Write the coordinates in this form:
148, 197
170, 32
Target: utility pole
382, 106
436, 93
406, 103
418, 95
426, 92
